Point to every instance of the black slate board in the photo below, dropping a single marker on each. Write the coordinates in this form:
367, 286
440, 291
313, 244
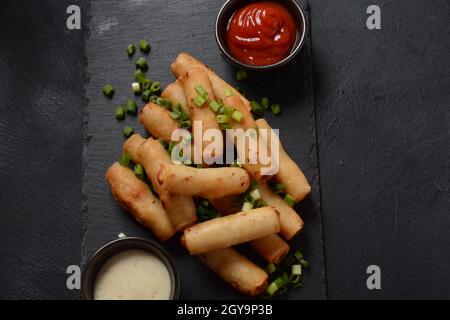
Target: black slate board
173, 28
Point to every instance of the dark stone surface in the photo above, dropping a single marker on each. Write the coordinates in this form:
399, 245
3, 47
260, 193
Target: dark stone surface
382, 100
41, 101
113, 26
381, 107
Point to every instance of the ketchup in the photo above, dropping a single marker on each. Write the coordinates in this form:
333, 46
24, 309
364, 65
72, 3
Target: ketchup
261, 33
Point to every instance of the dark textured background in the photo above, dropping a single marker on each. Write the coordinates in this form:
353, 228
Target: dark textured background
381, 106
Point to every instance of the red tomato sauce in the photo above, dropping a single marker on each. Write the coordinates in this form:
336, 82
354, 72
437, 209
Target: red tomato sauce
261, 33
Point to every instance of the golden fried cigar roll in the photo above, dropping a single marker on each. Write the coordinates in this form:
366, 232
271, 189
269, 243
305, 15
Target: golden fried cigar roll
247, 122
157, 121
230, 230
175, 93
135, 197
236, 270
293, 179
180, 209
272, 248
184, 62
191, 81
208, 183
290, 222
132, 145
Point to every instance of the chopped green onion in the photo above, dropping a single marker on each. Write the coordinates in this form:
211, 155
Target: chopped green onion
276, 109
256, 108
304, 263
136, 87
201, 91
142, 64
139, 76
298, 255
255, 194
175, 115
128, 131
289, 200
205, 211
247, 206
162, 102
199, 101
139, 171
214, 105
144, 46
271, 268
241, 75
125, 159
154, 99
277, 187
146, 84
186, 124
259, 203
146, 95
131, 49
221, 118
108, 90
296, 269
131, 107
120, 113
265, 103
237, 115
228, 92
155, 87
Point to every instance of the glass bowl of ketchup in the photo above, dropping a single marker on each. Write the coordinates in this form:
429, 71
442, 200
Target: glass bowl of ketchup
260, 34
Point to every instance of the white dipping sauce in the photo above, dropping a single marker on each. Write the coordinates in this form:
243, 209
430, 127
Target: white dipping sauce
133, 275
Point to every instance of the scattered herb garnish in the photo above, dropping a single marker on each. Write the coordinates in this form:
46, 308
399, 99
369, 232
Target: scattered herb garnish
205, 210
131, 49
144, 46
128, 131
108, 90
120, 113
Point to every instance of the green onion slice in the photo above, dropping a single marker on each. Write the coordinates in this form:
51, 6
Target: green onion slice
289, 200
237, 115
131, 49
199, 101
214, 105
131, 107
296, 269
120, 113
128, 131
241, 75
142, 64
136, 87
247, 206
271, 268
139, 171
221, 118
276, 109
144, 46
146, 95
265, 103
125, 159
155, 87
228, 92
108, 90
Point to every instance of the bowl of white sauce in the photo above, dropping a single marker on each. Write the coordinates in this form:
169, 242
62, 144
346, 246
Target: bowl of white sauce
130, 269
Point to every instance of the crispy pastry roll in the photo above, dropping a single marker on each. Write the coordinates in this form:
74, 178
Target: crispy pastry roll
289, 173
194, 79
184, 62
272, 248
157, 121
291, 223
236, 270
151, 154
135, 197
230, 230
208, 183
175, 93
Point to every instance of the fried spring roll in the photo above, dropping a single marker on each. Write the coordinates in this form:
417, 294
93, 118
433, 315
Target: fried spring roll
236, 270
151, 154
208, 183
230, 230
157, 121
190, 81
135, 197
247, 122
272, 248
184, 62
289, 173
290, 221
175, 93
